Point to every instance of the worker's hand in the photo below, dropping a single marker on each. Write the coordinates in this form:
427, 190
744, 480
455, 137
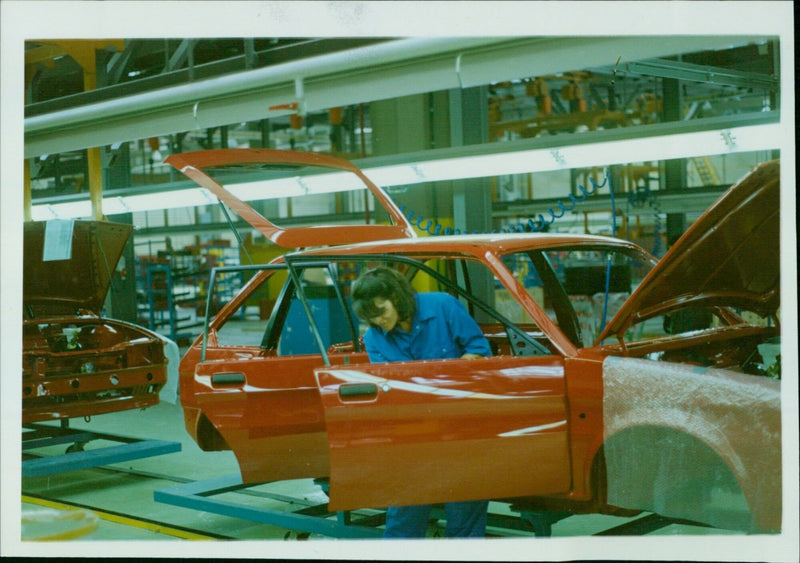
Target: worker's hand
469, 356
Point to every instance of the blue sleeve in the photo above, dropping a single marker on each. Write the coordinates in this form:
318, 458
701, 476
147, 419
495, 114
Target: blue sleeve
373, 348
465, 330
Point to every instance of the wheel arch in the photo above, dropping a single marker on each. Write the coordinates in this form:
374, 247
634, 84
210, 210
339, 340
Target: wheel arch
670, 470
207, 436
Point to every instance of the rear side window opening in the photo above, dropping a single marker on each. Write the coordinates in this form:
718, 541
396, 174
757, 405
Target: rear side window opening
274, 319
568, 284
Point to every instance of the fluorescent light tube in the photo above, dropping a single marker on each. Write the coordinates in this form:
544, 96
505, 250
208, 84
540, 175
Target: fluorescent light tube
664, 147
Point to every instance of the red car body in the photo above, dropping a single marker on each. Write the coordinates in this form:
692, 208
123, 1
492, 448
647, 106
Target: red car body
663, 408
76, 363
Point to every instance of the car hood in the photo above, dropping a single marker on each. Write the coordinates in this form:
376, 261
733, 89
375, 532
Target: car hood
64, 284
729, 257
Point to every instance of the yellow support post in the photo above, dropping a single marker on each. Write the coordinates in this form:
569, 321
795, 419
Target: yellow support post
83, 52
95, 167
26, 180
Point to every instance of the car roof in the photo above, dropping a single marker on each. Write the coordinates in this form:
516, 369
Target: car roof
473, 244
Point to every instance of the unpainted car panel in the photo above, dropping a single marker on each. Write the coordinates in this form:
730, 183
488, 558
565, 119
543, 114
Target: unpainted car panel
707, 405
76, 363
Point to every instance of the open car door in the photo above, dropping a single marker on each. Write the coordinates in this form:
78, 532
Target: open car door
257, 395
253, 378
445, 430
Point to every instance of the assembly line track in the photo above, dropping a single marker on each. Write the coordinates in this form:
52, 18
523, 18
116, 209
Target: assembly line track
500, 525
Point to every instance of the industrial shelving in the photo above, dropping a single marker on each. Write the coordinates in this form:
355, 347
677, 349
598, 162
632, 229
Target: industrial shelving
172, 286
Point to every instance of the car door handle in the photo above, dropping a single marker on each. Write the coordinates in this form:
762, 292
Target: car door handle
228, 379
357, 390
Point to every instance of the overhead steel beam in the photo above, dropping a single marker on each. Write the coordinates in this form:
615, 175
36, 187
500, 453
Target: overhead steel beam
571, 140
385, 70
702, 73
181, 54
692, 200
119, 60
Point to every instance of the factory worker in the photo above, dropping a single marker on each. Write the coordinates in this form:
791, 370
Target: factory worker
405, 325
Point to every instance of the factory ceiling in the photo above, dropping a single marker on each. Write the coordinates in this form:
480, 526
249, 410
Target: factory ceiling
142, 99
149, 87
146, 64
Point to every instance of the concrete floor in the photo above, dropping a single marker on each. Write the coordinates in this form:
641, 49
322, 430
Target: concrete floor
132, 494
124, 501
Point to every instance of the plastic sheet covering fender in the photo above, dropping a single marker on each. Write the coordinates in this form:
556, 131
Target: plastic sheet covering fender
169, 392
693, 443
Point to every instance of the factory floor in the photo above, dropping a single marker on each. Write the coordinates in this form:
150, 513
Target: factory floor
122, 493
120, 496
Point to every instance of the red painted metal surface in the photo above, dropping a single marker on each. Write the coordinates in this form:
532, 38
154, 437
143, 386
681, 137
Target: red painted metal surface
81, 281
427, 420
531, 428
196, 166
730, 255
76, 363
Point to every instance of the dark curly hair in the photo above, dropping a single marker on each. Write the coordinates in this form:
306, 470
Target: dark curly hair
384, 283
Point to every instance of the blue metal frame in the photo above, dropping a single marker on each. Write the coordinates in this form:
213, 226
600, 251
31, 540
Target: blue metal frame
43, 436
313, 519
316, 519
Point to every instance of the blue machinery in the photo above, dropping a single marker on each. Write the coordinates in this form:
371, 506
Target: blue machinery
37, 436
